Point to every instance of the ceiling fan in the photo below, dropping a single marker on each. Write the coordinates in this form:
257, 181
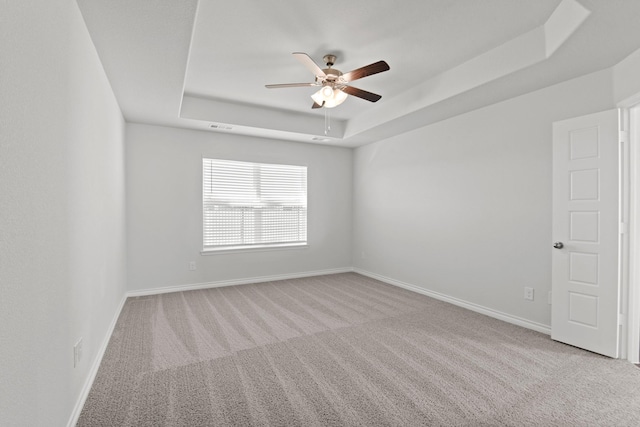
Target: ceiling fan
334, 85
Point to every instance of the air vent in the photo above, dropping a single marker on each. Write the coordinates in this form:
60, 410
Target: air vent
320, 139
220, 127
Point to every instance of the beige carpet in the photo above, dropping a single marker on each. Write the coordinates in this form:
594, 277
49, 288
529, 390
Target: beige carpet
344, 350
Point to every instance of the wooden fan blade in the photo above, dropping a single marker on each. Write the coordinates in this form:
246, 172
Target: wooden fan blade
309, 63
276, 86
367, 70
316, 105
369, 96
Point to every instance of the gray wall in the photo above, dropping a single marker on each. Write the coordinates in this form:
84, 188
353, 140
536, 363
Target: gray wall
164, 207
463, 207
62, 224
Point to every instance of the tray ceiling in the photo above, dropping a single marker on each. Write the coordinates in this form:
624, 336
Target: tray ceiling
198, 64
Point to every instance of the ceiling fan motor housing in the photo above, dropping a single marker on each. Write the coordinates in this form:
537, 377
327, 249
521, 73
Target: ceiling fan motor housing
332, 77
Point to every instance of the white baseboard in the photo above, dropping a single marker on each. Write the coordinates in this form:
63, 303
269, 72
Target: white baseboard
94, 367
545, 329
244, 281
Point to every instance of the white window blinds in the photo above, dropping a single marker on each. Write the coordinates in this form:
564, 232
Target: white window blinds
253, 204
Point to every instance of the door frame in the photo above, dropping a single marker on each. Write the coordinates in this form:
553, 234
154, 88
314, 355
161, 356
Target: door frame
630, 227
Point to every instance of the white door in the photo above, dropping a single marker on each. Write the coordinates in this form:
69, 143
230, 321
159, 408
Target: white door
585, 285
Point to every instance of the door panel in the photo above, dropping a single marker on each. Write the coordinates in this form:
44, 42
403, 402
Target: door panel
585, 288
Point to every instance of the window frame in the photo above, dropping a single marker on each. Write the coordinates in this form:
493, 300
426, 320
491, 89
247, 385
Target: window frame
222, 249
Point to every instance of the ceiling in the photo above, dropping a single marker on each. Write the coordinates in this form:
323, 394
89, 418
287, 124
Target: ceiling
204, 64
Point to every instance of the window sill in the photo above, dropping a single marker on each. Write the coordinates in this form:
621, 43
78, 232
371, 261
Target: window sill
262, 248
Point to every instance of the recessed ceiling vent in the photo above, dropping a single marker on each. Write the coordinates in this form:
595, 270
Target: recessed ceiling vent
220, 127
318, 138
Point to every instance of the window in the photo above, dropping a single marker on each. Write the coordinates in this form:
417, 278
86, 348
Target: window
253, 205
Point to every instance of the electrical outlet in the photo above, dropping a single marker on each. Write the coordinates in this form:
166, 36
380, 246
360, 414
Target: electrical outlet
528, 293
77, 353
192, 265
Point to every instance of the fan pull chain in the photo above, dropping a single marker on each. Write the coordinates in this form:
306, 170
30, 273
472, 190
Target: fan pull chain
327, 121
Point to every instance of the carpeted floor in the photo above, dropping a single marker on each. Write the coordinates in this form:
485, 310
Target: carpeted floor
344, 350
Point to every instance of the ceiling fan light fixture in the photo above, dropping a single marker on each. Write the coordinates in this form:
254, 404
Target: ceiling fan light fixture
329, 98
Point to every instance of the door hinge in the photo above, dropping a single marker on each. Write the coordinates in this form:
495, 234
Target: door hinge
623, 228
623, 136
621, 319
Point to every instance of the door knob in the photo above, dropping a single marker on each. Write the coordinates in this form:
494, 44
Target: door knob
558, 245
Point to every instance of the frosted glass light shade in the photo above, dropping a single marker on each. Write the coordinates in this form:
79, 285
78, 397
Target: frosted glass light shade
331, 97
327, 92
317, 97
